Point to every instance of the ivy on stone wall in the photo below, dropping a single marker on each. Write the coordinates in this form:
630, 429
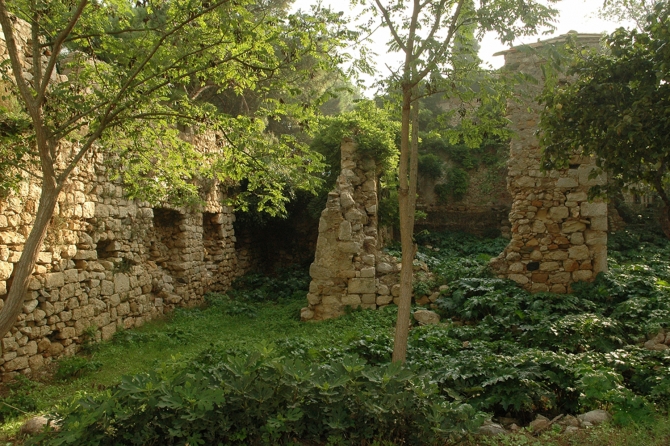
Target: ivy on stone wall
461, 160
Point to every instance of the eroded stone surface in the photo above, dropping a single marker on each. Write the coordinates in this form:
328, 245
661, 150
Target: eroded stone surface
558, 236
348, 268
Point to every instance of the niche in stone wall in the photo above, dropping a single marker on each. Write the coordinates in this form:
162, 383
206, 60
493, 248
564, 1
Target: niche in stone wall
169, 239
213, 237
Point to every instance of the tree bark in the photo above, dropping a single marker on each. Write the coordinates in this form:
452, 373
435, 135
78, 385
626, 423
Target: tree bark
24, 268
407, 204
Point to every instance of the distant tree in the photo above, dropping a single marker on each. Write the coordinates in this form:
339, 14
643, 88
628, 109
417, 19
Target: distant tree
136, 72
617, 108
628, 10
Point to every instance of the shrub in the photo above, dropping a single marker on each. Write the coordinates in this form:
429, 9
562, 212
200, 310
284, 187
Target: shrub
264, 399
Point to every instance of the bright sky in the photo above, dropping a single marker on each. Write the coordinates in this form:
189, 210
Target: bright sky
577, 15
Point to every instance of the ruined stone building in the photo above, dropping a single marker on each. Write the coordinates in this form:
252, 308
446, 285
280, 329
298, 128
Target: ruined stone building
111, 263
557, 235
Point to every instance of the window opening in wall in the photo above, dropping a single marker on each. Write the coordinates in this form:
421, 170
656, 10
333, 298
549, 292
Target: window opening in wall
105, 250
213, 237
168, 237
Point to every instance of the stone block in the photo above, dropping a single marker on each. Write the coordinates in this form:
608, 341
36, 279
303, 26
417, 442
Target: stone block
319, 272
362, 286
54, 280
107, 332
566, 182
121, 283
368, 272
519, 278
597, 209
549, 266
344, 232
559, 277
384, 268
572, 226
539, 277
6, 269
582, 275
66, 333
570, 265
44, 258
351, 299
71, 275
556, 255
17, 363
595, 238
577, 196
368, 298
599, 259
384, 300
558, 288
106, 288
426, 317
86, 254
579, 252
539, 287
559, 213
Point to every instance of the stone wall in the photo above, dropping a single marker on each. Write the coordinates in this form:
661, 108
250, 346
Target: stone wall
107, 263
347, 271
483, 210
558, 236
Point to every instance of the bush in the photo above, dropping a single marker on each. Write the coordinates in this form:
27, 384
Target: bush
265, 399
430, 166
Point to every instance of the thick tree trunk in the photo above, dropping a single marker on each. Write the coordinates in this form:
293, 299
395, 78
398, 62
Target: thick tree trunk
24, 268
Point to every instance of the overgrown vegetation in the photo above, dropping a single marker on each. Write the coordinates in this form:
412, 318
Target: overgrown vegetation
269, 379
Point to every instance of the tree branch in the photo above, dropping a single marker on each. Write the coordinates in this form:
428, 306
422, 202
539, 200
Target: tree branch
55, 51
387, 18
447, 40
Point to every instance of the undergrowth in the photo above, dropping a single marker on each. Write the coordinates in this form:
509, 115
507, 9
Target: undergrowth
244, 370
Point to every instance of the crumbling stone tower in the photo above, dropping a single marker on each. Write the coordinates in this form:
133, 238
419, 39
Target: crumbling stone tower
558, 236
346, 271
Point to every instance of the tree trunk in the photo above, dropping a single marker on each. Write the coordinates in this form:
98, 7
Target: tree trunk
24, 268
664, 220
406, 202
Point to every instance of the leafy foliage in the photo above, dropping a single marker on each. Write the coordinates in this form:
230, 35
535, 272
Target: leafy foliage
20, 398
76, 366
616, 108
265, 399
500, 350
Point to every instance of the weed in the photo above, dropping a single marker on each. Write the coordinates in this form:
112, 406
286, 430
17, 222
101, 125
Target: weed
75, 367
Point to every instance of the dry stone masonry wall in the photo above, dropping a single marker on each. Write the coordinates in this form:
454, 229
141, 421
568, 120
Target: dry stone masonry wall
107, 263
347, 269
559, 236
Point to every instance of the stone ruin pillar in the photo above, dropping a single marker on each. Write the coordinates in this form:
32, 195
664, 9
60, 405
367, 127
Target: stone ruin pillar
558, 236
344, 268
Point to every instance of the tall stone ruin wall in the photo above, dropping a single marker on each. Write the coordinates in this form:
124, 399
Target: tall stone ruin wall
107, 263
558, 236
348, 270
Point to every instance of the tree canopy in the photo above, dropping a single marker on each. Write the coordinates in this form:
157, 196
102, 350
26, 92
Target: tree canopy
616, 108
128, 79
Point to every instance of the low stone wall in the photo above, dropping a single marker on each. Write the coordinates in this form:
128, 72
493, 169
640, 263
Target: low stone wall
345, 272
559, 236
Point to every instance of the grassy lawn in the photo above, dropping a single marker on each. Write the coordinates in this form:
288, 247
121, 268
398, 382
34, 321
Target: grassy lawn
499, 352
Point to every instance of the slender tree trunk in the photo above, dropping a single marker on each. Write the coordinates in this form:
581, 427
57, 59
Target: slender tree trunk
407, 204
24, 268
